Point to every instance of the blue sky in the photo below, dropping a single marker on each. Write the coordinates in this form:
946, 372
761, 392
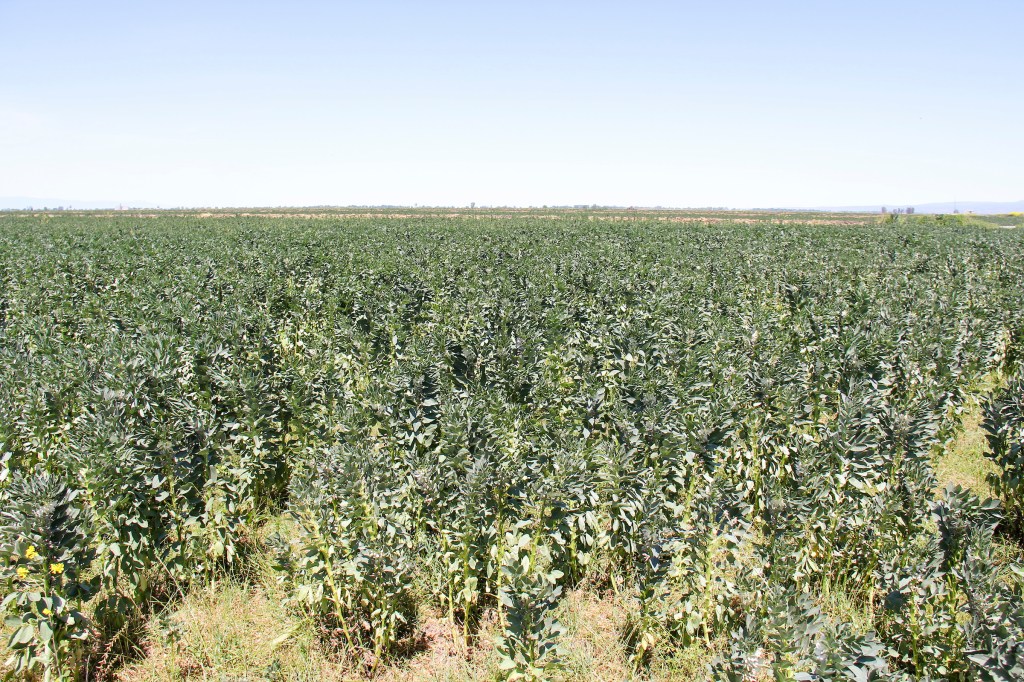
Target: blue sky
513, 103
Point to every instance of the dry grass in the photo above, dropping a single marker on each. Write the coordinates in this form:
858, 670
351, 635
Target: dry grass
594, 649
231, 632
963, 462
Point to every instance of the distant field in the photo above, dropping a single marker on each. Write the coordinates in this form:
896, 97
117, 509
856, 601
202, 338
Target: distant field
1007, 220
554, 214
418, 444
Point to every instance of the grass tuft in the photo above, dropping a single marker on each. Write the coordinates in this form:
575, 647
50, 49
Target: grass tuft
964, 461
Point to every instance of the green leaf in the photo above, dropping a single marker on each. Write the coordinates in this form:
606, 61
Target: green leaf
23, 635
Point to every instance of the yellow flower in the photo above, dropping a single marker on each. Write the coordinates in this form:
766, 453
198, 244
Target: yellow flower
57, 569
31, 553
22, 572
47, 612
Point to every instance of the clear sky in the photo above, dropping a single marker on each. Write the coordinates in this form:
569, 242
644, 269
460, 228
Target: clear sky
733, 103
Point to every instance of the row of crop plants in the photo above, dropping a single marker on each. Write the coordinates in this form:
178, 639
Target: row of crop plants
724, 425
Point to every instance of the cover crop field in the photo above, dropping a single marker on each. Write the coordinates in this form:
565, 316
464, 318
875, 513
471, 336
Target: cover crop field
515, 445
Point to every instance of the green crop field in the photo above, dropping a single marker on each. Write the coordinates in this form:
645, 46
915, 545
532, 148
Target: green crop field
499, 444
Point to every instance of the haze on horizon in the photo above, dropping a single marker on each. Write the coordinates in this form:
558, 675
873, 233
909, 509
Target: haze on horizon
658, 103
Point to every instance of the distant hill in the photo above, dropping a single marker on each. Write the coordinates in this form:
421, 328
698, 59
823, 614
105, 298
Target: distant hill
984, 207
973, 206
979, 207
